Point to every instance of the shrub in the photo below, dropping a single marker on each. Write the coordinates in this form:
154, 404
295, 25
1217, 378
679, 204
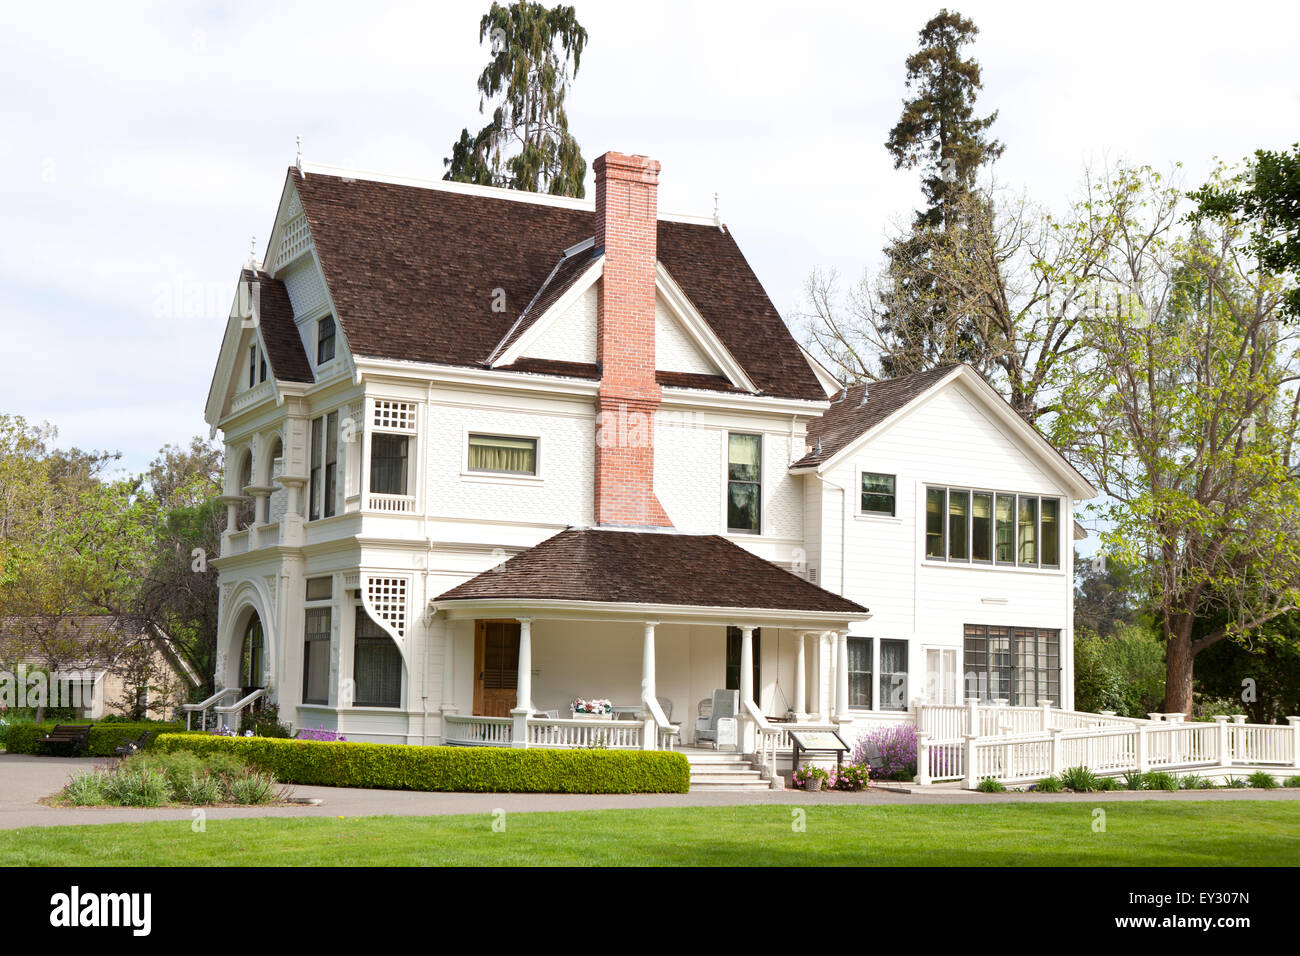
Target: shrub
1234, 783
85, 789
464, 769
1049, 785
253, 789
1160, 780
1134, 780
1107, 784
105, 738
201, 788
1193, 781
1262, 780
1291, 781
851, 777
1079, 779
1123, 672
264, 722
897, 749
991, 785
136, 787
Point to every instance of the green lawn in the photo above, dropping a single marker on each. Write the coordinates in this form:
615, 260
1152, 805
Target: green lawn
1137, 834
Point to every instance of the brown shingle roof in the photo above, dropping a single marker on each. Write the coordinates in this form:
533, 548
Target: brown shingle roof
413, 270
567, 271
610, 566
849, 417
289, 363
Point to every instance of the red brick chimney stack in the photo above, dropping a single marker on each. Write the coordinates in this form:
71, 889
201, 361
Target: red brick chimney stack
626, 226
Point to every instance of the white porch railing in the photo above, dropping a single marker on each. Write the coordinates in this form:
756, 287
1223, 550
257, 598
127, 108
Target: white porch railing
391, 504
477, 731
1105, 748
578, 733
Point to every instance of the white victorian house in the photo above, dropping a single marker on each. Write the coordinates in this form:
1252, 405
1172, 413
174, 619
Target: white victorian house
490, 452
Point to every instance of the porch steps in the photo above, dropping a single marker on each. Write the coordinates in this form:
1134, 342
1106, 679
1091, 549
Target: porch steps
717, 770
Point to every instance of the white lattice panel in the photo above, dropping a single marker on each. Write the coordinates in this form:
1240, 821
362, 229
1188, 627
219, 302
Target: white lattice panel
394, 416
295, 239
385, 600
306, 293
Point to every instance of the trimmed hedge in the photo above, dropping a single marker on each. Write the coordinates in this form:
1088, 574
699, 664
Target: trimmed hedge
104, 737
455, 769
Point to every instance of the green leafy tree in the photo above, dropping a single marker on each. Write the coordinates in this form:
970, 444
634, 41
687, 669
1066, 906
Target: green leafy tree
1265, 197
526, 144
1181, 408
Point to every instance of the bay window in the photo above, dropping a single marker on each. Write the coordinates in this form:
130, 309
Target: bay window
316, 656
376, 665
323, 486
388, 464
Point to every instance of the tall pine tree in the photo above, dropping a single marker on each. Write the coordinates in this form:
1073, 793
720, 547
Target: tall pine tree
940, 133
526, 144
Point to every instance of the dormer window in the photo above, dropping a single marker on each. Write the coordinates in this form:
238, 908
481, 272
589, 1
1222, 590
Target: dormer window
256, 365
325, 340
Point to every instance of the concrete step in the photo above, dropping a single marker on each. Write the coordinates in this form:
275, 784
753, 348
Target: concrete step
739, 776
717, 760
729, 787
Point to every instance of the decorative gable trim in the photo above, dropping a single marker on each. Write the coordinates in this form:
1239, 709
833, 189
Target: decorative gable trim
698, 330
245, 313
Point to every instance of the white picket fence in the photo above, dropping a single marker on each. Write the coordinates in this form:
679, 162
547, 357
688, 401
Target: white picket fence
464, 730
1016, 745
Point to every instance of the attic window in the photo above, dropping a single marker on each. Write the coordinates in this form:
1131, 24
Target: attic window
256, 366
325, 340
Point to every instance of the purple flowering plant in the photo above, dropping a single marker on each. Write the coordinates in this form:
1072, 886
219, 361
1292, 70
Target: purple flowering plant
897, 747
321, 734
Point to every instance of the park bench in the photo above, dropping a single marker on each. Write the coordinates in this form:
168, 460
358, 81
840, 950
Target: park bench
129, 747
75, 737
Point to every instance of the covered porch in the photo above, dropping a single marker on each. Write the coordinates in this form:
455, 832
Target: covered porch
515, 663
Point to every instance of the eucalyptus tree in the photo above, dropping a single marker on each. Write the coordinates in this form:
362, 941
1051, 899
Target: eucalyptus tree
526, 144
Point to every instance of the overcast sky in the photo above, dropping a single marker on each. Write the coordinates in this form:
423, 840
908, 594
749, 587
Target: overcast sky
143, 144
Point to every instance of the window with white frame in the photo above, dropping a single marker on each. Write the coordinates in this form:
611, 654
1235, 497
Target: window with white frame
860, 673
893, 675
323, 486
502, 454
1017, 664
325, 333
992, 528
744, 483
878, 494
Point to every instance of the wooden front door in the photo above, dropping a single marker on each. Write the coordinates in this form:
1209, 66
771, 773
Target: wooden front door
496, 667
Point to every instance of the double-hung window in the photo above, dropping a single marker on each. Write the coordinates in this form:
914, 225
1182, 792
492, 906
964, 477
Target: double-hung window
388, 464
325, 340
860, 673
316, 643
324, 466
878, 494
744, 483
893, 675
376, 665
985, 527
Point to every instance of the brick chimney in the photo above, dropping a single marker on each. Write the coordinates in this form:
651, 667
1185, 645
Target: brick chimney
626, 223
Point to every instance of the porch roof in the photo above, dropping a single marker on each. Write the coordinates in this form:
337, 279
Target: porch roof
607, 566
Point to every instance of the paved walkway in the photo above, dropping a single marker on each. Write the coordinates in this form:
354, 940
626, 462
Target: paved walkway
25, 780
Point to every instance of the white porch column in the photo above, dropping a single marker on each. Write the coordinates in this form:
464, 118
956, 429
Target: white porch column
842, 677
649, 728
745, 723
800, 679
524, 687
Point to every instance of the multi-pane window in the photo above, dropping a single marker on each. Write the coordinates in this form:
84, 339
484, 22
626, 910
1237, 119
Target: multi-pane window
503, 454
877, 494
325, 340
734, 639
860, 672
256, 365
376, 665
388, 464
893, 675
744, 483
316, 657
989, 528
1021, 665
324, 466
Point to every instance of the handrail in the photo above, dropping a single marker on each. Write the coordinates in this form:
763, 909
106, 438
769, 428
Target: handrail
239, 705
663, 725
202, 706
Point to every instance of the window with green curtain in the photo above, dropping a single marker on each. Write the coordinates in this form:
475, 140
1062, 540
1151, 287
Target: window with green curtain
744, 483
1006, 529
512, 456
981, 524
1028, 530
877, 494
935, 510
316, 657
1051, 532
958, 516
893, 675
376, 665
388, 464
860, 672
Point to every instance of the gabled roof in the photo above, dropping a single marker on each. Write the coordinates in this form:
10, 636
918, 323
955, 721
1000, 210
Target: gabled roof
413, 271
850, 417
572, 266
629, 567
284, 351
863, 408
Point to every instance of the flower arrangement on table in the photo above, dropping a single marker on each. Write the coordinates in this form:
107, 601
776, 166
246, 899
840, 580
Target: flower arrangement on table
599, 707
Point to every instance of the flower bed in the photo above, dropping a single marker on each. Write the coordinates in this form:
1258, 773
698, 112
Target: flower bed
897, 749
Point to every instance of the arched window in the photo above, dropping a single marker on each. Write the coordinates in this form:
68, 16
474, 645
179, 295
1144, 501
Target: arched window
252, 657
